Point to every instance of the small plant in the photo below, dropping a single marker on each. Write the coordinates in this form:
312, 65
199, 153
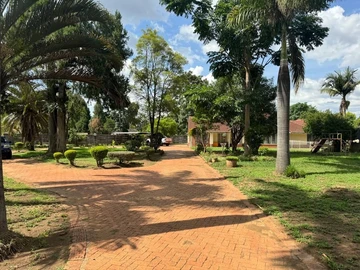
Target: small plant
113, 143
293, 173
27, 145
263, 151
71, 155
199, 148
70, 146
231, 161
145, 148
99, 153
57, 156
19, 146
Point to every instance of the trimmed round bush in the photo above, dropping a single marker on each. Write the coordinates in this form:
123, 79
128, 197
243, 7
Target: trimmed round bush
122, 156
99, 153
19, 145
57, 156
70, 155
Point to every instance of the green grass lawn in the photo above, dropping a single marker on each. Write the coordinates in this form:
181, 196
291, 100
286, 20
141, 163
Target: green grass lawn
83, 157
321, 210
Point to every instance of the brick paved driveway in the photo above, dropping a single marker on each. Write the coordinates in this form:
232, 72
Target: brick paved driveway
177, 214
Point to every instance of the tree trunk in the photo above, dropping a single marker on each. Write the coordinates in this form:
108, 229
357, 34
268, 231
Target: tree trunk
61, 119
3, 219
283, 108
52, 90
247, 150
343, 107
237, 133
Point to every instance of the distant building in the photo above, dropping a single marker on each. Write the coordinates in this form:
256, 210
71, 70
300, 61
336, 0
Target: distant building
221, 134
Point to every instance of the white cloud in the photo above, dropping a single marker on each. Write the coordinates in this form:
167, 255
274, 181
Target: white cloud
135, 11
133, 39
190, 55
186, 34
198, 70
310, 93
209, 77
211, 46
343, 42
127, 68
158, 27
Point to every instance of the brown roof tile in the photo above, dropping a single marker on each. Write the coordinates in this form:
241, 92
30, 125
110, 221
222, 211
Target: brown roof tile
297, 126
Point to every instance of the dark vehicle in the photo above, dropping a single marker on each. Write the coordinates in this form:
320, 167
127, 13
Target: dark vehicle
5, 148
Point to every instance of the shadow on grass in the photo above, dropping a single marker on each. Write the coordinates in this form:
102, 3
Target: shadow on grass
328, 221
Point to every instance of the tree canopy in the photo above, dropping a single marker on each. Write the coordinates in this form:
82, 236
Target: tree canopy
299, 110
154, 69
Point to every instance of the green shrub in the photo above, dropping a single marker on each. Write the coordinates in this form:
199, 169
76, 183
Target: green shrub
293, 173
19, 145
99, 153
27, 145
145, 148
246, 158
263, 151
71, 155
232, 158
122, 156
70, 146
57, 156
199, 148
135, 143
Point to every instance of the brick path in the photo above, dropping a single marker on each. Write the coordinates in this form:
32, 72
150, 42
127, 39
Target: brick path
177, 214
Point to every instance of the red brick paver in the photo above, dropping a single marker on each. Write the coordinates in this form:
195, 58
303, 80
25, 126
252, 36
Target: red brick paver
177, 214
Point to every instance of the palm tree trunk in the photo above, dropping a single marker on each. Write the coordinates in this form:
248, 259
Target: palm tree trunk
3, 218
343, 107
283, 108
247, 150
61, 119
52, 90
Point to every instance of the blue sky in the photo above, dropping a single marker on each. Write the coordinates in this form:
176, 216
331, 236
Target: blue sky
340, 49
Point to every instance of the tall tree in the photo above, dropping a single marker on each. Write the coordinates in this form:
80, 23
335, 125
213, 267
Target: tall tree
299, 110
154, 68
35, 33
113, 88
78, 113
26, 111
294, 25
341, 84
240, 49
175, 104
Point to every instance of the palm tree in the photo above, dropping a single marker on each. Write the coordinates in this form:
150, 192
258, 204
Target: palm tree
341, 84
34, 33
285, 16
26, 111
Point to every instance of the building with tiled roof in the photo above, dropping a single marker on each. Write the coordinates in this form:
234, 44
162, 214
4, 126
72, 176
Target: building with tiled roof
220, 133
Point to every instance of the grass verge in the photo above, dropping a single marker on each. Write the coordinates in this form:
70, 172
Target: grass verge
38, 225
321, 210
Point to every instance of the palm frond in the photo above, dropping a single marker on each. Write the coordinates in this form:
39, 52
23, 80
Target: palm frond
297, 63
330, 91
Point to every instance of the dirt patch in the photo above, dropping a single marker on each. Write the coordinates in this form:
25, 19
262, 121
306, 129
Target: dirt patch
38, 223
